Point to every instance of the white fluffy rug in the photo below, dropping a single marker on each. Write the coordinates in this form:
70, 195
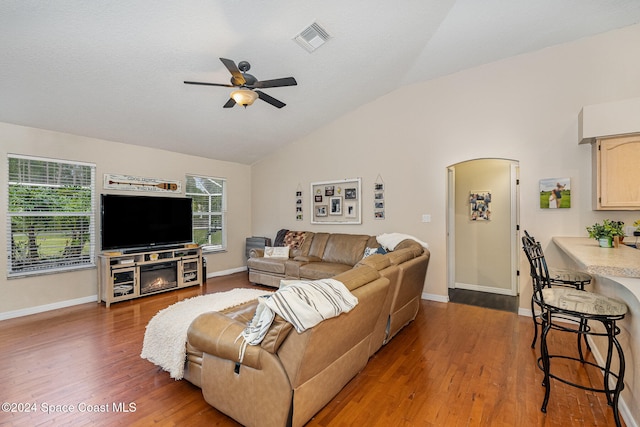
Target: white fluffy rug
166, 334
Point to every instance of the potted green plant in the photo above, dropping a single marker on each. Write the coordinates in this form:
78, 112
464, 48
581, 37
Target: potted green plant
605, 233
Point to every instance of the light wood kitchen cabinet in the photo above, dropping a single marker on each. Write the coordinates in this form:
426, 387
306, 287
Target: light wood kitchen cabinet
617, 173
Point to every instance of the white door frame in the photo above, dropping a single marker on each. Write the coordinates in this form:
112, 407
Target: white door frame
514, 289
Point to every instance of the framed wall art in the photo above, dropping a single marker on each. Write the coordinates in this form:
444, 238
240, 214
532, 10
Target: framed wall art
378, 198
299, 216
480, 204
555, 193
336, 202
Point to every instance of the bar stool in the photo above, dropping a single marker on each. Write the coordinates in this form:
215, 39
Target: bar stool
569, 310
557, 277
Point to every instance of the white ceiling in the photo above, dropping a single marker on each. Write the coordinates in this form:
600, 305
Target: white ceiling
114, 69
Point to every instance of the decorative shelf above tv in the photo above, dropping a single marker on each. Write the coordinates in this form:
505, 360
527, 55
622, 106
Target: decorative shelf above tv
123, 276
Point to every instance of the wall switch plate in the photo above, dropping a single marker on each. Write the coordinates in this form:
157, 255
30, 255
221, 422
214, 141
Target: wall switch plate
426, 218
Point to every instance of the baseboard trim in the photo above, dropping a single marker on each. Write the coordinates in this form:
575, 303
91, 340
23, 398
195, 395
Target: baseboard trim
435, 297
226, 272
47, 307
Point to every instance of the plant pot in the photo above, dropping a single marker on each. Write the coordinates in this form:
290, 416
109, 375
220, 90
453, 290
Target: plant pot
605, 242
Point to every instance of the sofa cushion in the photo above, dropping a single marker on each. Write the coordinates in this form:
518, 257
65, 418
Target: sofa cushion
318, 244
356, 277
270, 265
322, 270
377, 261
410, 244
299, 242
401, 255
345, 248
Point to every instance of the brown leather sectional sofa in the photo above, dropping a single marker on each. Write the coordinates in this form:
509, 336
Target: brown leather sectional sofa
311, 256
291, 376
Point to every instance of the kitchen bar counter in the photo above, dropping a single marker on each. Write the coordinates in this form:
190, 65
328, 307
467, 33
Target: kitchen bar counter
616, 274
622, 261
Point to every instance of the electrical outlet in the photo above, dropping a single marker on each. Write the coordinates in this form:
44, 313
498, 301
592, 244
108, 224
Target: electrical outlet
426, 217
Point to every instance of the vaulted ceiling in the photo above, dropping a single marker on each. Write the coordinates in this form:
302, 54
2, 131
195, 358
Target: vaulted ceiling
114, 70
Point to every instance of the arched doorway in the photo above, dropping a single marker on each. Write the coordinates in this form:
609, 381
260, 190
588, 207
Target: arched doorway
482, 226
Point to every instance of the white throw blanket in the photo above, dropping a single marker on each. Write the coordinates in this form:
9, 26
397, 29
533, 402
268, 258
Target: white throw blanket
166, 334
303, 303
389, 241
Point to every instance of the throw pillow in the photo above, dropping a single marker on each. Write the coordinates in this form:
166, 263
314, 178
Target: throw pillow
276, 252
369, 252
294, 239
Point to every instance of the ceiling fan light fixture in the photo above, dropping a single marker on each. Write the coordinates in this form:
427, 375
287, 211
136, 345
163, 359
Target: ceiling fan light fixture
244, 97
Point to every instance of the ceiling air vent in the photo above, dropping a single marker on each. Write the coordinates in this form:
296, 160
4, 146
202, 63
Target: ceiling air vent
312, 37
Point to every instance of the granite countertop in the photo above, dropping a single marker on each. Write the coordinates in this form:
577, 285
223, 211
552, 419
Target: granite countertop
622, 261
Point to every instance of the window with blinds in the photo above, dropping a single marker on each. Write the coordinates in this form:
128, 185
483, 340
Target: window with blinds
209, 207
50, 218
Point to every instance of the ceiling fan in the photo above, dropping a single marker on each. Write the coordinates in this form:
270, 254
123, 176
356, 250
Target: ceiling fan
247, 85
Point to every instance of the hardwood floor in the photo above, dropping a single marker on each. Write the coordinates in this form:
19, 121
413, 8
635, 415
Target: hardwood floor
455, 365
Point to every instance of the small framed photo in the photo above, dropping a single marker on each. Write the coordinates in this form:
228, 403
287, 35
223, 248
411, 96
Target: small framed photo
378, 214
555, 193
328, 190
335, 204
350, 209
321, 210
350, 193
318, 198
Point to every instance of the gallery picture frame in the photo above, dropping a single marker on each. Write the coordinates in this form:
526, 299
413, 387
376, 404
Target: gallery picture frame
336, 202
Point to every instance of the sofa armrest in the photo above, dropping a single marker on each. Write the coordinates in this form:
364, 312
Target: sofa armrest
256, 253
217, 334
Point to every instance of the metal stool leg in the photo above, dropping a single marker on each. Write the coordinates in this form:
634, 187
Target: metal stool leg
614, 396
535, 324
544, 351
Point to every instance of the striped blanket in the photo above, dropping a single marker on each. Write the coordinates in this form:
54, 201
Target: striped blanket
302, 303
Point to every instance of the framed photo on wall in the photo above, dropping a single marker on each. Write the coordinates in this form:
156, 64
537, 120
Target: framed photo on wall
336, 202
480, 204
555, 193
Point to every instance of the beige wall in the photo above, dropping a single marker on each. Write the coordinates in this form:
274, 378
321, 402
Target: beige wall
110, 157
524, 108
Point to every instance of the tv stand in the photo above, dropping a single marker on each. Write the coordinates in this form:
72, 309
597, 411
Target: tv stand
127, 275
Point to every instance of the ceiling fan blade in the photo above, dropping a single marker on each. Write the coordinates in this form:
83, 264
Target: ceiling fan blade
238, 78
230, 103
208, 84
270, 99
286, 81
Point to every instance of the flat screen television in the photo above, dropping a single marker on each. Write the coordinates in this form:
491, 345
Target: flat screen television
144, 221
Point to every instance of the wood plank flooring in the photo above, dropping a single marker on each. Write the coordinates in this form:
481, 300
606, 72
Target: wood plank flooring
455, 365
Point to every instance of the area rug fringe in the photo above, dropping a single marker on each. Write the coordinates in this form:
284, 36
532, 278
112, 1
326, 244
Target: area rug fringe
166, 334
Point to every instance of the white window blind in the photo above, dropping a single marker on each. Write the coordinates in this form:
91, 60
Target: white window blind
209, 207
50, 218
